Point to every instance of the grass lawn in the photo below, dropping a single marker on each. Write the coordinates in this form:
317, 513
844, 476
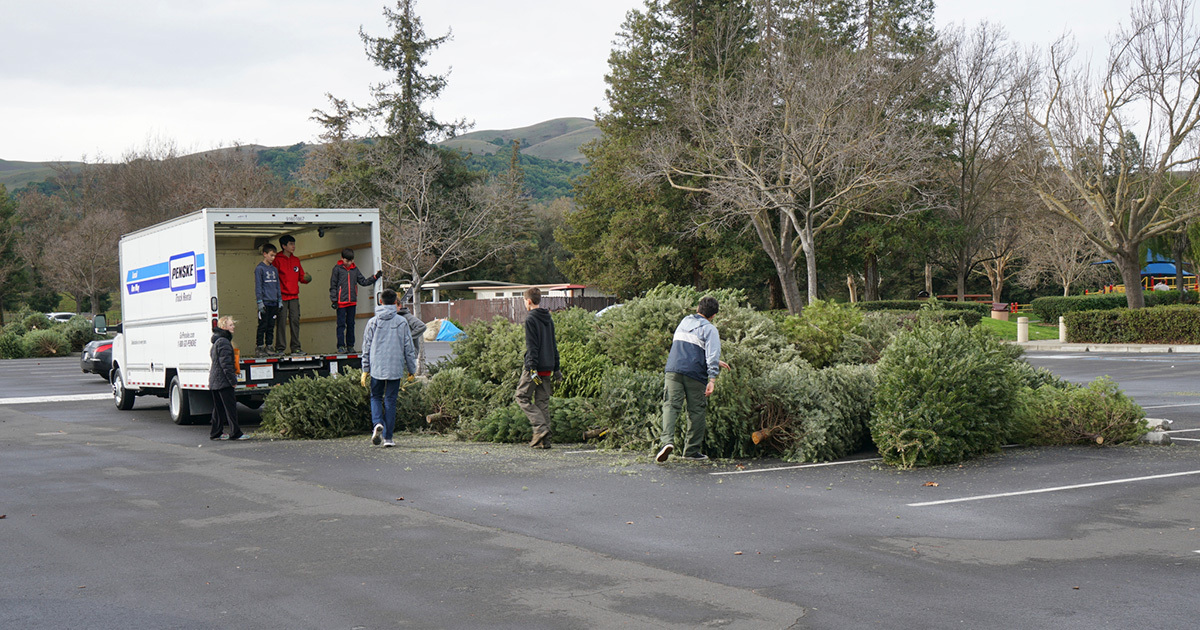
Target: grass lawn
1008, 330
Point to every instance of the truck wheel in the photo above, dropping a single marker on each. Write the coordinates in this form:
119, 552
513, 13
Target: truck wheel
177, 401
122, 397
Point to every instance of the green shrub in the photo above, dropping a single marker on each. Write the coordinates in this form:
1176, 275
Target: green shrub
457, 395
583, 367
568, 420
1048, 309
1099, 414
11, 346
727, 298
574, 325
1160, 324
850, 394
79, 332
492, 351
638, 335
751, 342
984, 309
731, 416
945, 393
333, 407
45, 343
630, 408
36, 321
1035, 377
820, 329
15, 327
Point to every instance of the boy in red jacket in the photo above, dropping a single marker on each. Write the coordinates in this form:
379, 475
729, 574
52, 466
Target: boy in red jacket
343, 296
291, 275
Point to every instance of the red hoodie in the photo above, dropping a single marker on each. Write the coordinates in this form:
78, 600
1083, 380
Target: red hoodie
291, 274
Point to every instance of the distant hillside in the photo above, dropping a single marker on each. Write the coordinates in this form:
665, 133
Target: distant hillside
557, 139
17, 174
550, 156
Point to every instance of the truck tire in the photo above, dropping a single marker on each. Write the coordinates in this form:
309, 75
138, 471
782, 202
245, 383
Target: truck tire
178, 403
122, 398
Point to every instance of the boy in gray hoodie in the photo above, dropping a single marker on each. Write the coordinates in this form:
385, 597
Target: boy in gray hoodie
386, 355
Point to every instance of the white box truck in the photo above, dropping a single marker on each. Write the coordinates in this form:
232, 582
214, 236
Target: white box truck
177, 277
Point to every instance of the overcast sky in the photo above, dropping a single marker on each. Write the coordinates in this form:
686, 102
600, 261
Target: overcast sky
88, 79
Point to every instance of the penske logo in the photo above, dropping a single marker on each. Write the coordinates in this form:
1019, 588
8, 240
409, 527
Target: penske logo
181, 272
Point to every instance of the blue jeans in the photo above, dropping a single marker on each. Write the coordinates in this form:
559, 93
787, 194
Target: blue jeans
345, 325
383, 405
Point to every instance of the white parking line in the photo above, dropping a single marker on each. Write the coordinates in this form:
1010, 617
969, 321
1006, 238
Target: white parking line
1196, 404
46, 399
1179, 439
1056, 489
758, 470
1180, 430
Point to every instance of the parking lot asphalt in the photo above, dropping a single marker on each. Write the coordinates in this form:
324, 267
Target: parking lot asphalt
123, 519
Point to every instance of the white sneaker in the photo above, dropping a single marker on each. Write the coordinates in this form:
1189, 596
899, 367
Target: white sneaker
377, 435
664, 453
388, 444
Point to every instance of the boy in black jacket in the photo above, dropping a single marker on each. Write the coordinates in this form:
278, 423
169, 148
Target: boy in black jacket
541, 362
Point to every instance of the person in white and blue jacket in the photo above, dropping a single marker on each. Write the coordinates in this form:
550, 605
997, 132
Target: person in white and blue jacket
691, 375
386, 354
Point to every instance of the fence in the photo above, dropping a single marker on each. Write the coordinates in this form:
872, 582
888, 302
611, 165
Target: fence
513, 309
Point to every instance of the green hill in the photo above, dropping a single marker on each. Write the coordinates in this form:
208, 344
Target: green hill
15, 174
549, 155
557, 139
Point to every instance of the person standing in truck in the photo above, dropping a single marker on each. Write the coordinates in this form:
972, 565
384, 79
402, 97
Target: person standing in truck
291, 276
343, 296
267, 298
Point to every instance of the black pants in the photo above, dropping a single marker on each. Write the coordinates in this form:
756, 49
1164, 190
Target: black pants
345, 325
224, 412
264, 336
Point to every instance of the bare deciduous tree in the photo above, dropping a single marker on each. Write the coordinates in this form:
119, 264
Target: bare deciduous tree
1055, 250
1123, 143
793, 144
984, 82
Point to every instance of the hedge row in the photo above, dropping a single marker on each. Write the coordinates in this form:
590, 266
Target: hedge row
983, 309
1048, 309
1160, 324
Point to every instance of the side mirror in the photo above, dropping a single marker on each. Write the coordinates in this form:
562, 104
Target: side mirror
100, 325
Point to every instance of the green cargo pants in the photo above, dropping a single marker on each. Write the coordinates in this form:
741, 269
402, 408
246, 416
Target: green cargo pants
680, 389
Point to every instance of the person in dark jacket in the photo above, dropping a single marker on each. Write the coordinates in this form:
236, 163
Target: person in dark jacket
267, 298
541, 362
691, 375
343, 296
222, 377
415, 326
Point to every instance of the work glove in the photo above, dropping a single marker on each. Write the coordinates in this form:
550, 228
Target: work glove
333, 305
379, 274
261, 309
365, 378
558, 376
307, 278
537, 380
411, 378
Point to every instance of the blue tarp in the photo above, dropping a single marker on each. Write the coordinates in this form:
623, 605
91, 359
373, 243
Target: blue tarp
448, 331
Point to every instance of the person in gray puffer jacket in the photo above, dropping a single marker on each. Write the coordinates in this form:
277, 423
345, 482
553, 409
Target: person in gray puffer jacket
222, 378
387, 353
415, 325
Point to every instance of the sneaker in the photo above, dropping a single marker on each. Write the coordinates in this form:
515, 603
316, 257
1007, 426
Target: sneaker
241, 437
541, 445
341, 350
260, 351
388, 444
664, 453
538, 439
377, 435
223, 437
698, 457
219, 437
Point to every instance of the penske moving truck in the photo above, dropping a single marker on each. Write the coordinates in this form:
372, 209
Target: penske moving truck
179, 276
